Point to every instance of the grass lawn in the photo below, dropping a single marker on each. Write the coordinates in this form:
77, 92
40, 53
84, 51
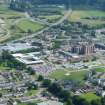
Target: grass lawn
66, 75
32, 92
4, 68
78, 15
100, 69
26, 25
52, 18
5, 12
90, 96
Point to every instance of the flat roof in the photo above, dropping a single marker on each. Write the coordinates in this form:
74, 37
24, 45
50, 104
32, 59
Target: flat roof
28, 58
17, 46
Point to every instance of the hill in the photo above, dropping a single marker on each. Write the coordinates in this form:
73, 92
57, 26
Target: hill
26, 4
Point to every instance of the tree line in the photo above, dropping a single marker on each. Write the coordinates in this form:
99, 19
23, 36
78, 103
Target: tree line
26, 4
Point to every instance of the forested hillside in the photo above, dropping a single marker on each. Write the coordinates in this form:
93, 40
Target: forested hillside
24, 4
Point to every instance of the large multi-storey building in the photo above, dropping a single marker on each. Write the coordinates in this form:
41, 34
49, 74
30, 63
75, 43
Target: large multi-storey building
83, 48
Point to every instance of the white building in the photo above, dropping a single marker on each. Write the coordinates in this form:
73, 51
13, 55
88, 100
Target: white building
28, 58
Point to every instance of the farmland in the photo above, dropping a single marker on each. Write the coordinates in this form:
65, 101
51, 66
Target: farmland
15, 24
26, 25
90, 17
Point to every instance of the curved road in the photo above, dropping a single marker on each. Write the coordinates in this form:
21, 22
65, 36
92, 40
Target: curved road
67, 14
46, 28
53, 24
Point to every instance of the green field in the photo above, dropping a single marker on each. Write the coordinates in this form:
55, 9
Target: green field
3, 68
52, 18
90, 96
5, 12
16, 24
66, 75
26, 25
79, 15
9, 16
32, 93
99, 69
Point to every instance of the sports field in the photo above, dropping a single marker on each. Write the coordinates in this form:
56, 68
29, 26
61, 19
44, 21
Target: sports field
67, 75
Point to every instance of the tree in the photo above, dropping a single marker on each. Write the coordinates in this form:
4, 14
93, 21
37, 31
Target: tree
6, 56
104, 88
93, 72
30, 31
46, 82
23, 5
56, 90
96, 102
31, 71
31, 86
103, 101
0, 95
80, 101
69, 102
11, 62
65, 95
40, 78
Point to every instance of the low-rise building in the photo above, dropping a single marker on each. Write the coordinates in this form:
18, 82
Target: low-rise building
28, 58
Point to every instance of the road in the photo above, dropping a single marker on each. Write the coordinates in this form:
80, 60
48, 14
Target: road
46, 28
6, 33
36, 20
67, 14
